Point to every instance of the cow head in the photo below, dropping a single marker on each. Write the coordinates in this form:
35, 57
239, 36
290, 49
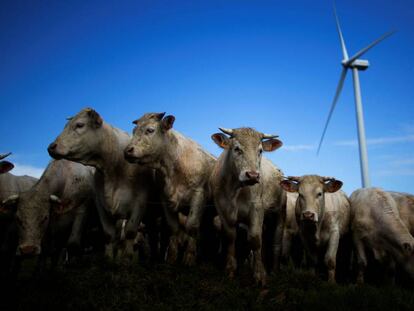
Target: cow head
311, 199
5, 166
80, 139
244, 147
32, 218
149, 138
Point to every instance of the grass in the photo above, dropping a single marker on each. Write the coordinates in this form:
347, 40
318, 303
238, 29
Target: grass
97, 284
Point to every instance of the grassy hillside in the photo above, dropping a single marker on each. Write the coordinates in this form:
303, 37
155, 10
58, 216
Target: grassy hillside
95, 284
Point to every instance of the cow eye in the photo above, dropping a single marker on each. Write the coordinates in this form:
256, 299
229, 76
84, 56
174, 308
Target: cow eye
80, 125
238, 150
149, 131
319, 194
260, 151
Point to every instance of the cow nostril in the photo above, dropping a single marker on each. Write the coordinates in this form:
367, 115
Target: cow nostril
52, 146
129, 151
308, 215
252, 175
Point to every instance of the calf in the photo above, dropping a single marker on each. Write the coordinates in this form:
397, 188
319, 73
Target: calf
322, 213
122, 189
378, 228
184, 168
246, 186
53, 212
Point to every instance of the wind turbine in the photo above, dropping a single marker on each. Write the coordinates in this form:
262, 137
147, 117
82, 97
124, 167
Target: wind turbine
355, 64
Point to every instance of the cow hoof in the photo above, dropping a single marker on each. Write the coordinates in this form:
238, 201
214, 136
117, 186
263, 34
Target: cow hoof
109, 251
260, 277
331, 277
172, 253
231, 267
189, 259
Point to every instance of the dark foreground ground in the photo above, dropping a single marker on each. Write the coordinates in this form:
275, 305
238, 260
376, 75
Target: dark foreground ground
100, 285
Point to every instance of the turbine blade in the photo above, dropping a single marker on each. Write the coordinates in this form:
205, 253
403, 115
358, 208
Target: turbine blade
335, 100
341, 37
364, 50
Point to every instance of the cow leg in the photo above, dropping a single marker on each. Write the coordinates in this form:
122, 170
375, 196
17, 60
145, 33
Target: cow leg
255, 239
286, 245
231, 263
74, 241
108, 227
173, 223
137, 215
330, 256
193, 226
361, 258
278, 242
311, 255
197, 207
190, 254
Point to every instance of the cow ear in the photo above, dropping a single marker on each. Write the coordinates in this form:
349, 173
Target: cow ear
5, 166
95, 118
167, 123
271, 144
332, 185
221, 140
9, 205
289, 185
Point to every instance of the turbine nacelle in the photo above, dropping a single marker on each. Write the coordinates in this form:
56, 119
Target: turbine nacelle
360, 64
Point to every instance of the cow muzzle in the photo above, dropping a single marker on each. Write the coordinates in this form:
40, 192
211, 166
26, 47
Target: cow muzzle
129, 154
251, 178
52, 150
309, 216
29, 250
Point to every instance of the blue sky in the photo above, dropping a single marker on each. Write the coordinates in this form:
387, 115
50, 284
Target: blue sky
271, 65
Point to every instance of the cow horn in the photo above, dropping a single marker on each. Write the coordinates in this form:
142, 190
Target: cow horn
269, 136
5, 155
55, 198
11, 198
226, 131
293, 178
69, 118
159, 116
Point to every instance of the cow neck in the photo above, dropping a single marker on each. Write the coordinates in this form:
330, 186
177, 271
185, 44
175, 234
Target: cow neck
111, 154
167, 161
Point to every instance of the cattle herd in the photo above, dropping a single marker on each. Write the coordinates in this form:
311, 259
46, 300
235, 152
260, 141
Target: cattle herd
159, 196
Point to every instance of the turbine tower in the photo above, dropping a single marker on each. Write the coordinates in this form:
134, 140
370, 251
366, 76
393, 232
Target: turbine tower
355, 64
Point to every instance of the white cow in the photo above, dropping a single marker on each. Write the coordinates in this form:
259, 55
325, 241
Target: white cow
322, 213
377, 226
